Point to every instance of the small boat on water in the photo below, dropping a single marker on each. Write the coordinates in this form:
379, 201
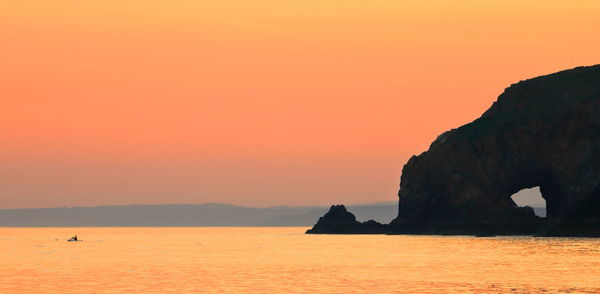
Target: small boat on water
74, 239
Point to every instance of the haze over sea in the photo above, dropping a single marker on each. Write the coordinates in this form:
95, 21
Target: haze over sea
285, 260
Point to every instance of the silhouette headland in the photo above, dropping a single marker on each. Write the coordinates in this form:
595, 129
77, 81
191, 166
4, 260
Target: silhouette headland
540, 132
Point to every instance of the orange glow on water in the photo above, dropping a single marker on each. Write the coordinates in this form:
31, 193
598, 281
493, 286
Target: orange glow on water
283, 260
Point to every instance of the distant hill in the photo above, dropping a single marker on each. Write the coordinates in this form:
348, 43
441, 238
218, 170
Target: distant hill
540, 211
176, 215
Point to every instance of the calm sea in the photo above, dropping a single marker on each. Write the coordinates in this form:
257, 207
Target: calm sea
284, 260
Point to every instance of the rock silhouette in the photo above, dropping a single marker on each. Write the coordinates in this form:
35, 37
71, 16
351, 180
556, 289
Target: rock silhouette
339, 221
541, 132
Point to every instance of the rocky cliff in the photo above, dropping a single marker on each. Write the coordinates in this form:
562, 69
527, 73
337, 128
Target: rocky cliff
339, 221
541, 132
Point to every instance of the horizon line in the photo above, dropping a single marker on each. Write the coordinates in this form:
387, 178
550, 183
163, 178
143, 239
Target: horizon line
203, 204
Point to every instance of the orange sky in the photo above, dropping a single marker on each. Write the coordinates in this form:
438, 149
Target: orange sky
262, 102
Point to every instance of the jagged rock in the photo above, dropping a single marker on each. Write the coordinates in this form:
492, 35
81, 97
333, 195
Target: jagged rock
541, 132
338, 220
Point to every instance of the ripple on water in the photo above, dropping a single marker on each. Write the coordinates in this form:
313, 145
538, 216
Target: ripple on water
284, 260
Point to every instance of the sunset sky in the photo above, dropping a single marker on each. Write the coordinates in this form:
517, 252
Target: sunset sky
259, 103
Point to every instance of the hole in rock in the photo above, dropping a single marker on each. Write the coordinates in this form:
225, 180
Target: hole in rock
531, 197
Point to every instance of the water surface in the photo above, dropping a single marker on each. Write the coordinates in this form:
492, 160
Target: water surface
284, 260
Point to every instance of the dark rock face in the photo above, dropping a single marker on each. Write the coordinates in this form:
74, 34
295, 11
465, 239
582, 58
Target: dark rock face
339, 221
541, 132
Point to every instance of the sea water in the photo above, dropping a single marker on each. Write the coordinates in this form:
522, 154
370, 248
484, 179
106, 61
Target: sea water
285, 260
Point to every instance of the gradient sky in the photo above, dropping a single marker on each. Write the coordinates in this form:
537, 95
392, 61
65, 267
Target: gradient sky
259, 103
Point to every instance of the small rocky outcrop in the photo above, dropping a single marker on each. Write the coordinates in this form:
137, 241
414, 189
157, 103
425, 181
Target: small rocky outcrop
541, 132
338, 220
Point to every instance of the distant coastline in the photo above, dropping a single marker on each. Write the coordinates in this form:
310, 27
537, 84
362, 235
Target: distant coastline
184, 215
